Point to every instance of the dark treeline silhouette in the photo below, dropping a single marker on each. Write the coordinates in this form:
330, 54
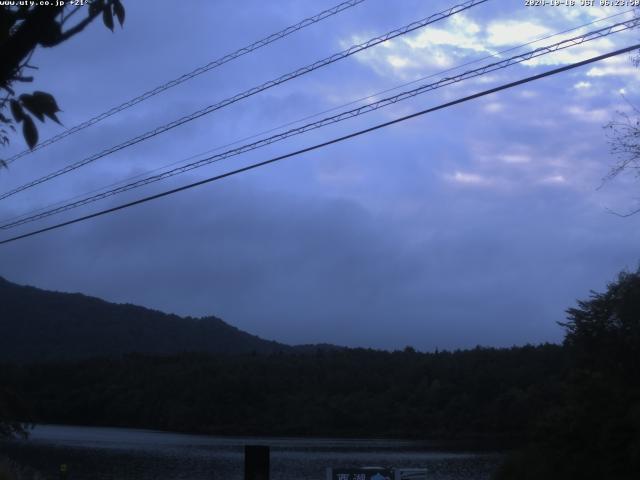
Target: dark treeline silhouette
593, 431
482, 392
573, 410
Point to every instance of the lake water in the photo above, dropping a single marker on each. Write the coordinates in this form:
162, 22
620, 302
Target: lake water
127, 454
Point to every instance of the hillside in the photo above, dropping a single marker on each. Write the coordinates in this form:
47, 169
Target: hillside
478, 393
40, 325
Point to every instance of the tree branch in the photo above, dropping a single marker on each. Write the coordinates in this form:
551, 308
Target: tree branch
24, 40
80, 26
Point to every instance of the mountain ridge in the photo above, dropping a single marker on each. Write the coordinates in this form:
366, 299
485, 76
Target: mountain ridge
39, 325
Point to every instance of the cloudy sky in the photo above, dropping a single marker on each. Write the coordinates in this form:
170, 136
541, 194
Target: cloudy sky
478, 224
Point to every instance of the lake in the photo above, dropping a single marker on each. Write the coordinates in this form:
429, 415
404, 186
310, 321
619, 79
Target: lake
126, 454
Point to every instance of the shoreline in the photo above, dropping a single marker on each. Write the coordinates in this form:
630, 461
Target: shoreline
462, 443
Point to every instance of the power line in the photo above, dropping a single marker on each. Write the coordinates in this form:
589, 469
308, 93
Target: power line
523, 57
337, 118
194, 73
272, 83
308, 117
327, 143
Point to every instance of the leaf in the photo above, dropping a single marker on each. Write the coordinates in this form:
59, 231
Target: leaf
46, 104
30, 132
16, 110
95, 7
53, 117
118, 9
48, 100
32, 104
50, 34
107, 18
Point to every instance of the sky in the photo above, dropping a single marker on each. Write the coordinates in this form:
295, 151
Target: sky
478, 224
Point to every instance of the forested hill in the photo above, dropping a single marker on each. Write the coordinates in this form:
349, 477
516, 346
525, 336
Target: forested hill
483, 393
39, 325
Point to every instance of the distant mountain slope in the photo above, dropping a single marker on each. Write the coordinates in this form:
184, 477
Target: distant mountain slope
39, 325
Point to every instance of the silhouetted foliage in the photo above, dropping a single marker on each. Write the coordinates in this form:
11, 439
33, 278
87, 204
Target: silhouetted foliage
23, 28
594, 430
13, 412
463, 395
576, 406
264, 387
624, 142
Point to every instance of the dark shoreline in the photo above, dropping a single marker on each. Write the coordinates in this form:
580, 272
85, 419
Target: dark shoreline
139, 454
460, 443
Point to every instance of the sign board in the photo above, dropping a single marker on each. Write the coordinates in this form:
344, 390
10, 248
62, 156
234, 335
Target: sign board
375, 473
359, 474
410, 473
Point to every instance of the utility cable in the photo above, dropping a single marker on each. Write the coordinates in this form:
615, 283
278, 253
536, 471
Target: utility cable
272, 83
571, 42
188, 76
327, 143
309, 117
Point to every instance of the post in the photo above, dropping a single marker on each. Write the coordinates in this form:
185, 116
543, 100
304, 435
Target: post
256, 462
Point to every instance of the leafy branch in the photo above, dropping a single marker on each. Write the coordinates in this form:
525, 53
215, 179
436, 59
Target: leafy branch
23, 29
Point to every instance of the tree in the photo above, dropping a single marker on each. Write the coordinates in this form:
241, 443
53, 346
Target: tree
12, 414
624, 140
604, 331
23, 28
594, 432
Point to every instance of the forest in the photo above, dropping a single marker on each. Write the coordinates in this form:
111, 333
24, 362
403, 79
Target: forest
485, 392
566, 411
